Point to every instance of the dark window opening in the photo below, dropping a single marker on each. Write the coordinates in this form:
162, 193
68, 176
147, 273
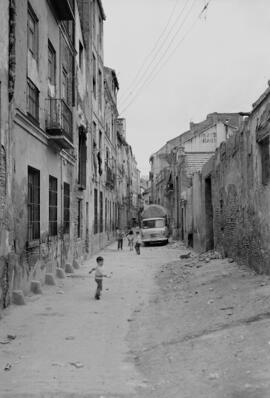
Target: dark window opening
94, 76
80, 55
265, 160
51, 64
82, 160
95, 211
32, 100
52, 206
99, 89
79, 219
101, 212
33, 204
66, 225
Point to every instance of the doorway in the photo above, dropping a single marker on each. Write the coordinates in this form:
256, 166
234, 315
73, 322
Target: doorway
209, 229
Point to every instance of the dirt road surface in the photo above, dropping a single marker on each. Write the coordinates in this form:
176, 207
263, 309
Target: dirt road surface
164, 327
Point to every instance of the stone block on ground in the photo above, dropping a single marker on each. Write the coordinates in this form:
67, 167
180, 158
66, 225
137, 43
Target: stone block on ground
185, 255
35, 287
60, 273
76, 264
49, 279
69, 269
18, 297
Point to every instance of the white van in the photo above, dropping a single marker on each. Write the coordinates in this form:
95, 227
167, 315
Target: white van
154, 230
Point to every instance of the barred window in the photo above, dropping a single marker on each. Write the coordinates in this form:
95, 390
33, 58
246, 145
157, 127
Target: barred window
95, 211
33, 204
101, 212
52, 206
32, 100
66, 208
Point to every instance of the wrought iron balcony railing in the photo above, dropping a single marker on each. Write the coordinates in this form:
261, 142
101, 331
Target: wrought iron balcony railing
59, 122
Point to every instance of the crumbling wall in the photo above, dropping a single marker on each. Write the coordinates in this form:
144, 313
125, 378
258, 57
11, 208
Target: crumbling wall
241, 202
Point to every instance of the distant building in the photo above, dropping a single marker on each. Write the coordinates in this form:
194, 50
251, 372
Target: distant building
173, 165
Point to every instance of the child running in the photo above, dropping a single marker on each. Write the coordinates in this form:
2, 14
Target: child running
99, 275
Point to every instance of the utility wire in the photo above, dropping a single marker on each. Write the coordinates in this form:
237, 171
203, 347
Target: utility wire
155, 50
154, 47
152, 77
149, 75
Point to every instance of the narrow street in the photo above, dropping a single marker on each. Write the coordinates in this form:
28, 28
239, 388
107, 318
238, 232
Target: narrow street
164, 327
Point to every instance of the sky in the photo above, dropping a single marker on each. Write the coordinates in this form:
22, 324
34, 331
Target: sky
175, 67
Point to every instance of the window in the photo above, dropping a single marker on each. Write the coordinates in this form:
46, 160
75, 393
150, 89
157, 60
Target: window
52, 206
66, 208
80, 55
51, 64
265, 160
101, 212
65, 85
33, 204
100, 33
100, 141
79, 219
82, 160
32, 33
94, 76
32, 100
95, 212
94, 18
106, 214
99, 89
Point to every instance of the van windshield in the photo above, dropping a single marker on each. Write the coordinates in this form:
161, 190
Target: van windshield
153, 223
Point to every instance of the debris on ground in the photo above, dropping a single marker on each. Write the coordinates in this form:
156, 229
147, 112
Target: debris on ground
11, 336
210, 255
185, 255
8, 366
77, 364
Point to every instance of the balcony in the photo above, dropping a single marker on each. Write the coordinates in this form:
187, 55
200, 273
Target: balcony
59, 123
110, 178
64, 9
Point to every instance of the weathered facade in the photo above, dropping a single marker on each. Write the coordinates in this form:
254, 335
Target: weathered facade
58, 184
7, 76
174, 164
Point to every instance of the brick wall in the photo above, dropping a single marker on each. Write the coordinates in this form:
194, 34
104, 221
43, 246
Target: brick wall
241, 202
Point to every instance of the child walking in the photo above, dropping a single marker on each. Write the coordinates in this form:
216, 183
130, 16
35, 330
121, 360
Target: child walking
99, 275
138, 242
130, 238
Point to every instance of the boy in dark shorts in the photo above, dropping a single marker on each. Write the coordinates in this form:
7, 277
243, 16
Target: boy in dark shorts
99, 275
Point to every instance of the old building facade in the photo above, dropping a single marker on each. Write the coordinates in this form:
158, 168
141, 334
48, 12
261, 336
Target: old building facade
174, 164
59, 200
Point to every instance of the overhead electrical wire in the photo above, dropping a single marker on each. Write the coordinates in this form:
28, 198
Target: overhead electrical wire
155, 50
152, 50
163, 54
157, 69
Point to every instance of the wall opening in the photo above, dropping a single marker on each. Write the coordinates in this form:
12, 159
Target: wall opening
209, 214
